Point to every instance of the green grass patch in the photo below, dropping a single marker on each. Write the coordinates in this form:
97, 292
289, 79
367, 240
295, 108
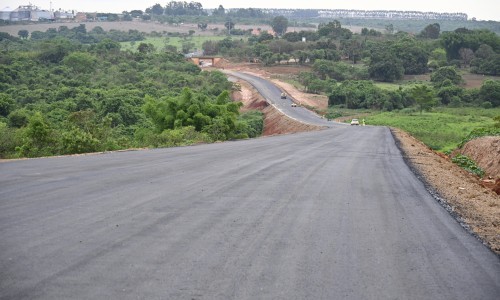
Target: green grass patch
160, 42
443, 129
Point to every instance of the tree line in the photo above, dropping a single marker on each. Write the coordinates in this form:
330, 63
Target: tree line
343, 63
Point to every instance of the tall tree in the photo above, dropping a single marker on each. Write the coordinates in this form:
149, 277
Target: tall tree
467, 55
424, 96
229, 25
431, 31
279, 24
157, 9
220, 11
385, 65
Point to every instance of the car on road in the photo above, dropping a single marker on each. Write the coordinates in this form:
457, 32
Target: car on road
294, 104
354, 122
283, 96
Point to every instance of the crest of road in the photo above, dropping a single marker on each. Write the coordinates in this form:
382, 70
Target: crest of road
330, 214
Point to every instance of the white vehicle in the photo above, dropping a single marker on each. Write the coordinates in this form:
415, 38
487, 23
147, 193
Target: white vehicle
354, 122
283, 96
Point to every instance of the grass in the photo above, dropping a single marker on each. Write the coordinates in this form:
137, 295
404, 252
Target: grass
443, 129
161, 42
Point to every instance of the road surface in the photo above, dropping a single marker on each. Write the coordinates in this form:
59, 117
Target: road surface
332, 214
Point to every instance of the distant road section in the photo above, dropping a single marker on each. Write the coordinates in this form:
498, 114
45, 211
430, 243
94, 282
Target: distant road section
272, 94
331, 214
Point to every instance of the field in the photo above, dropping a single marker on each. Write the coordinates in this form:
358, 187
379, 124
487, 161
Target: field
443, 129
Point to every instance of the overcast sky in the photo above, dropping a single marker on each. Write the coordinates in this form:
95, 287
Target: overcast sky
480, 9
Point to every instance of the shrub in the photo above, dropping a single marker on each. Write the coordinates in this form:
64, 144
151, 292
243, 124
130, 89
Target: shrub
468, 164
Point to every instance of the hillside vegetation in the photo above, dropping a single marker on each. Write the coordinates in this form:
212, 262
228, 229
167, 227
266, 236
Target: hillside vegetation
58, 96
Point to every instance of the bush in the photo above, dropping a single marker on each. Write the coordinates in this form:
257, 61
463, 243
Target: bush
468, 164
486, 104
250, 124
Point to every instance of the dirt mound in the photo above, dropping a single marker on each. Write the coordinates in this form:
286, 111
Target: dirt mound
276, 122
485, 151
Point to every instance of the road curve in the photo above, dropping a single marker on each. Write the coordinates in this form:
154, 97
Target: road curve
331, 214
272, 95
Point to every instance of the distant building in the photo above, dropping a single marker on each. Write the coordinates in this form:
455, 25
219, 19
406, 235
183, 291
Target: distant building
25, 13
5, 13
81, 17
62, 15
31, 13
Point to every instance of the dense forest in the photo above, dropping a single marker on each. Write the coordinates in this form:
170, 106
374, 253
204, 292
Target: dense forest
59, 96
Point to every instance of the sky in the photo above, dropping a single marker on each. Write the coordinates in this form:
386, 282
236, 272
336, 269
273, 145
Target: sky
480, 9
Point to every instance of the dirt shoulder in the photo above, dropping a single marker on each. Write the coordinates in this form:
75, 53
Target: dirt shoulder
476, 207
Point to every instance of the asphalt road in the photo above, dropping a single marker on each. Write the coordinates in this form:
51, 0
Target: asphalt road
272, 95
332, 214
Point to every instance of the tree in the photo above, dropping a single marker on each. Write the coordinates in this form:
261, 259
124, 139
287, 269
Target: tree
389, 28
464, 38
220, 11
431, 31
485, 52
352, 48
209, 47
357, 94
157, 9
7, 104
423, 96
486, 61
437, 58
23, 33
136, 13
490, 91
467, 55
385, 65
445, 76
279, 24
265, 36
451, 93
54, 51
80, 62
229, 26
18, 118
334, 30
38, 137
146, 48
